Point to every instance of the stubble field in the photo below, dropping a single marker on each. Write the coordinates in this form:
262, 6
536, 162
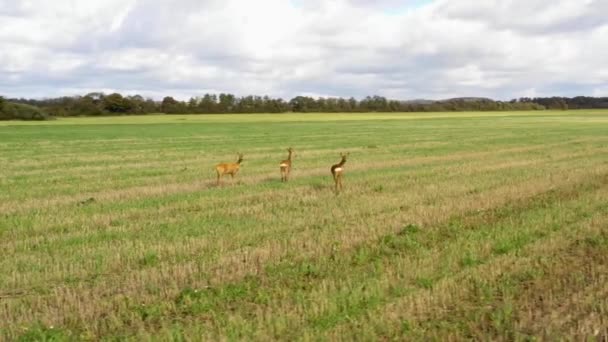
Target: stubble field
450, 226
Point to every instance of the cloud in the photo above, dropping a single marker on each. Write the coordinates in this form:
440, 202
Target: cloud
399, 49
532, 16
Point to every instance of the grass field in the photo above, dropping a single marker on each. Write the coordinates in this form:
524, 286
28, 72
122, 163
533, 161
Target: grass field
450, 226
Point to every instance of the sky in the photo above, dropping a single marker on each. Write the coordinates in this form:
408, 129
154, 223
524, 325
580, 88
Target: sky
408, 49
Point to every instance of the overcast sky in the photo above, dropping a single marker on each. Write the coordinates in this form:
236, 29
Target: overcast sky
405, 49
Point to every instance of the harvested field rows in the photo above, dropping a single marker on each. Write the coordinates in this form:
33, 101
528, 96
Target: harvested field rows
450, 226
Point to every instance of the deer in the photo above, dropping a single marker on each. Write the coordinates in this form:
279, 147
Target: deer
228, 168
337, 170
285, 166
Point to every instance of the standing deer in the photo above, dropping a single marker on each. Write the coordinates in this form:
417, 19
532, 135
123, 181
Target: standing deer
337, 170
286, 166
228, 168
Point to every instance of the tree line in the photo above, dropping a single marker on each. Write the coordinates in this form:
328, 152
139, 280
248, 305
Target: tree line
578, 102
20, 111
97, 104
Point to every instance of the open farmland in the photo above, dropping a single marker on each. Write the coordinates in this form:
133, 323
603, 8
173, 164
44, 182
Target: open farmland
450, 225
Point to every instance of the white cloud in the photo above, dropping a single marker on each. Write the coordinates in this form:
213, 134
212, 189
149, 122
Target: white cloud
530, 16
399, 49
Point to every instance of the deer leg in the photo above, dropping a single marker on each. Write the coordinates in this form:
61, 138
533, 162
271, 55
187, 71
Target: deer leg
336, 180
218, 178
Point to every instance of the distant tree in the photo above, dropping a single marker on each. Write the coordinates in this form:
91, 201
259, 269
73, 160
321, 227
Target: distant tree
562, 104
150, 106
554, 103
303, 104
277, 106
257, 104
374, 104
86, 106
96, 97
321, 105
342, 105
169, 105
208, 104
353, 105
115, 103
192, 105
137, 104
21, 111
226, 103
3, 115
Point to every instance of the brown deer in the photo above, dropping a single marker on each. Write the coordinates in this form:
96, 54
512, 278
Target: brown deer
285, 166
228, 168
337, 170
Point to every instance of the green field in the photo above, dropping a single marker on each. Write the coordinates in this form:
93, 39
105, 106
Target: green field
450, 226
